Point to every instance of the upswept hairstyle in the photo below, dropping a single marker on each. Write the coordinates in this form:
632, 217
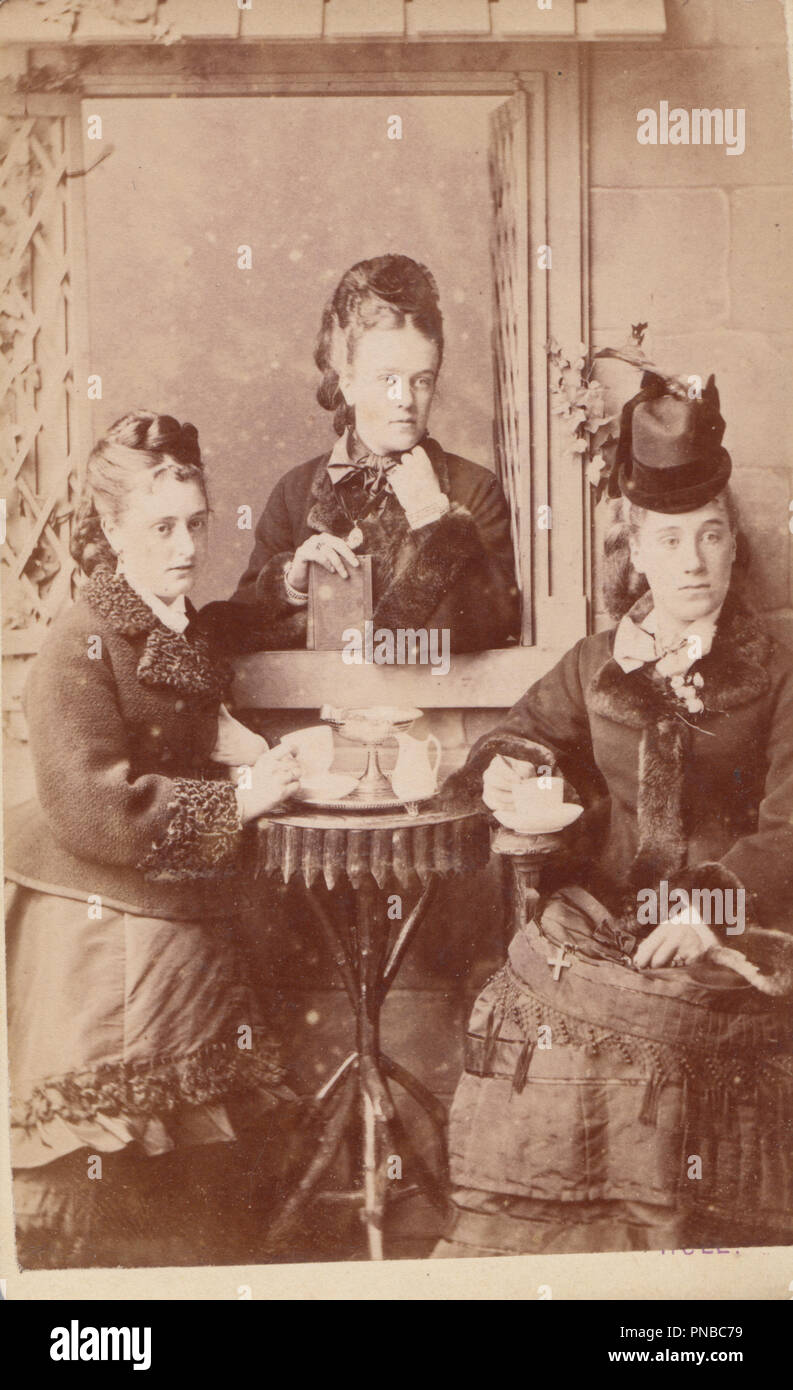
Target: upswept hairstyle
139, 442
622, 584
383, 292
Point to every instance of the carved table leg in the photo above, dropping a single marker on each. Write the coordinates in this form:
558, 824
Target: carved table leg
368, 968
528, 855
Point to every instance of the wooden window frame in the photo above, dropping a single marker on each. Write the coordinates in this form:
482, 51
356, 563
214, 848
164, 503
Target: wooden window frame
554, 78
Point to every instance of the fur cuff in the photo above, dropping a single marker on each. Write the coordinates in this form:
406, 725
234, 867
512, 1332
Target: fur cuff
449, 546
203, 835
464, 787
284, 622
270, 588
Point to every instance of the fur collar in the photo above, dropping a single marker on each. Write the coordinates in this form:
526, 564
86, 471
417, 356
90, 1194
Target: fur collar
181, 661
326, 512
733, 672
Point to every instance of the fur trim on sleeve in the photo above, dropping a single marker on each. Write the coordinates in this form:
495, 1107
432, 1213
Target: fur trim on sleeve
203, 836
281, 623
465, 785
259, 618
449, 546
270, 587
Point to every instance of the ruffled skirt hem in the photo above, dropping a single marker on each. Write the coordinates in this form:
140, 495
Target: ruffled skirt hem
183, 1126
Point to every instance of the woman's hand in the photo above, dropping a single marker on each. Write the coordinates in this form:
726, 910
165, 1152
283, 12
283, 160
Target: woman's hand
674, 942
236, 745
330, 552
414, 479
501, 775
416, 487
497, 785
274, 778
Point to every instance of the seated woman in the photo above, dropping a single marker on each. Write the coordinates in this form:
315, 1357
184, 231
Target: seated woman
141, 1069
628, 1077
435, 524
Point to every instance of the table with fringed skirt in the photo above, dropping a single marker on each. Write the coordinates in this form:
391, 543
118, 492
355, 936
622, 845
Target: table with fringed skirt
377, 855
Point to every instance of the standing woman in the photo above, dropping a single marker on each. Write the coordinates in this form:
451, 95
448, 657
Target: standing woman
628, 1077
436, 524
140, 1069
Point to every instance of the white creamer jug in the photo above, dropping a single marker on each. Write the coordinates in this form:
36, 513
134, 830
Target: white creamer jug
414, 776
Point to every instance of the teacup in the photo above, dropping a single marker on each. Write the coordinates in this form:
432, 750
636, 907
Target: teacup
537, 799
314, 748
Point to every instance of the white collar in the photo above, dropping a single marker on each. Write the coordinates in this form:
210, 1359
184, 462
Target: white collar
172, 615
635, 643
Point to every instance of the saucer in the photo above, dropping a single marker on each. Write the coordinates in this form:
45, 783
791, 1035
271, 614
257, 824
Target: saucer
331, 786
560, 817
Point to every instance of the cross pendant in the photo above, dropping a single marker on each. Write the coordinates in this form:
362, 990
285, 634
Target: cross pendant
562, 962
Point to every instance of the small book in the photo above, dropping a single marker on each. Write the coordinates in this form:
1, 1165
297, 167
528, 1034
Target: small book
336, 604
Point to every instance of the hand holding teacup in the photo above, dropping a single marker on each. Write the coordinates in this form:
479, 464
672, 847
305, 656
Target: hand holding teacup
313, 748
273, 778
508, 779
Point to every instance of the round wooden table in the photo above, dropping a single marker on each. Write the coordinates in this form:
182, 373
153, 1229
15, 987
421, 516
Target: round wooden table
377, 854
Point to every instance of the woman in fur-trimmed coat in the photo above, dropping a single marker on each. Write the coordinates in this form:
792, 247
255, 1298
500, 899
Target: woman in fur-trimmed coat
436, 525
133, 1035
628, 1074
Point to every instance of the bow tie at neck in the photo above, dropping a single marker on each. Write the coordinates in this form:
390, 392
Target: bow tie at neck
351, 459
371, 471
637, 643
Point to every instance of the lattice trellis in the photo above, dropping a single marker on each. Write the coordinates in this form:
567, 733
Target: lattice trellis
42, 342
510, 267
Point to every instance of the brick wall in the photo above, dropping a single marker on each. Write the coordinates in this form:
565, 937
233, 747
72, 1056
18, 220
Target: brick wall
700, 243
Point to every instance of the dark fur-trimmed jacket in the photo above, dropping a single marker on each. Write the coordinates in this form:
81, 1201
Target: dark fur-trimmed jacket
699, 800
456, 573
130, 806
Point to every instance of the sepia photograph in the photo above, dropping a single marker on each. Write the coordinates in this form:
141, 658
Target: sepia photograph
397, 648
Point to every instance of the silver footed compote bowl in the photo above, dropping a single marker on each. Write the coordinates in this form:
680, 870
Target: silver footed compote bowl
371, 727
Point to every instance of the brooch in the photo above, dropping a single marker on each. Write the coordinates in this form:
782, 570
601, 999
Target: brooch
686, 688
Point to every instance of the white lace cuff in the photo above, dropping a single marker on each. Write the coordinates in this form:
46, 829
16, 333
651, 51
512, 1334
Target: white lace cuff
432, 510
294, 595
